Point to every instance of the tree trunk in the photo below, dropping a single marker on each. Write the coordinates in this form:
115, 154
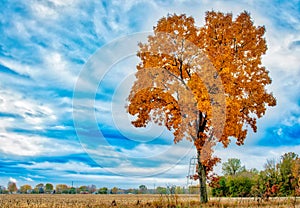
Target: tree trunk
202, 179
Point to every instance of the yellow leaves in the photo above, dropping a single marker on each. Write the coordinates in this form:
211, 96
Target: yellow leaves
235, 48
148, 99
200, 94
177, 25
296, 169
208, 82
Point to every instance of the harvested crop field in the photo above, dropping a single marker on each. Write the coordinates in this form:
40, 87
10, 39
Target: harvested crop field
124, 201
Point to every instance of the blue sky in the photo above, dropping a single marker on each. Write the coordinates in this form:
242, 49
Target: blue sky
63, 120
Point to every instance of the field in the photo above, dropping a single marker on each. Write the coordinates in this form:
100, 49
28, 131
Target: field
126, 201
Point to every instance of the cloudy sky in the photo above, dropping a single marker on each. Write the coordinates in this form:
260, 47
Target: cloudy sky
65, 71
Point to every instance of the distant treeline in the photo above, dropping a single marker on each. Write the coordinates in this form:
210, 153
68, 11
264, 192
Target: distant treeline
278, 178
48, 188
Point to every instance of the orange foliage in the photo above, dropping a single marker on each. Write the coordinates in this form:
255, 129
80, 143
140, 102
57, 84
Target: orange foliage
296, 175
204, 84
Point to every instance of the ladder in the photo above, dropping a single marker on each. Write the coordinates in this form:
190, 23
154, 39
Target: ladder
192, 172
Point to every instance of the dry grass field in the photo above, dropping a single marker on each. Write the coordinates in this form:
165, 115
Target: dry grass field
127, 201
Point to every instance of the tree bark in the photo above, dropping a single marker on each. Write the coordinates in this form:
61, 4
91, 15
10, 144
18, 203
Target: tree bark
202, 179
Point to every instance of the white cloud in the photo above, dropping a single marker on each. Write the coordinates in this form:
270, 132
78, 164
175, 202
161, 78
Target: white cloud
63, 167
43, 11
30, 112
57, 71
27, 179
143, 160
65, 3
22, 145
17, 66
253, 156
12, 180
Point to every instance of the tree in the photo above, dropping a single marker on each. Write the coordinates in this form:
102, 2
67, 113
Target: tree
103, 190
92, 188
232, 166
272, 171
204, 84
2, 190
296, 175
48, 187
39, 188
132, 191
83, 189
12, 187
243, 184
179, 190
72, 190
161, 190
142, 189
25, 189
171, 189
286, 172
114, 190
61, 188
219, 187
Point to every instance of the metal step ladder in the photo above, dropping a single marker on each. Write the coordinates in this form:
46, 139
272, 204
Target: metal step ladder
191, 173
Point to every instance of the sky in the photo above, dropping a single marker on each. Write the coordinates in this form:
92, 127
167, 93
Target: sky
66, 68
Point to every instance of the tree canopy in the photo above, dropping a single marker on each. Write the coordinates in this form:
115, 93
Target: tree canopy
205, 84
232, 166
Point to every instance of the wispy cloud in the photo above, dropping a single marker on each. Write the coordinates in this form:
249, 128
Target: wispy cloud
20, 145
27, 179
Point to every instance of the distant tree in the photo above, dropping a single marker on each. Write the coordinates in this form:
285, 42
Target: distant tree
39, 188
2, 190
25, 189
132, 191
253, 170
12, 187
171, 189
92, 188
61, 188
72, 190
296, 175
49, 187
161, 190
193, 189
271, 172
142, 189
114, 190
83, 189
103, 190
296, 168
40, 185
121, 191
232, 167
179, 190
285, 170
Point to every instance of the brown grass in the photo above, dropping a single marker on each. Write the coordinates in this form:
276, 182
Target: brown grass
128, 201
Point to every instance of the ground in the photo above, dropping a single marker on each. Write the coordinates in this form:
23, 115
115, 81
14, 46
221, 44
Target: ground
131, 200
